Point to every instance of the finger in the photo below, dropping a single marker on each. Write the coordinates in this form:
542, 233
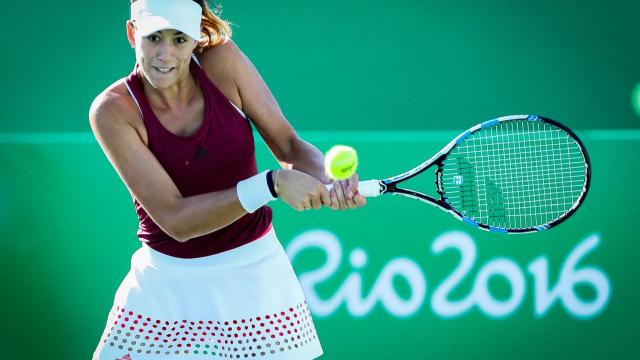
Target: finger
342, 204
352, 186
303, 205
324, 179
348, 197
360, 200
315, 202
353, 183
335, 205
325, 198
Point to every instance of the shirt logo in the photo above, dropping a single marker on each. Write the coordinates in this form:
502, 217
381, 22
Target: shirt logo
126, 357
200, 153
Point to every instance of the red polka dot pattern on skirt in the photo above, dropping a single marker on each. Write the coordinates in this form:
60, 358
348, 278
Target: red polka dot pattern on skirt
256, 337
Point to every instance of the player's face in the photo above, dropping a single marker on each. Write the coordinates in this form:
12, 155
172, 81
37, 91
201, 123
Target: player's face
164, 57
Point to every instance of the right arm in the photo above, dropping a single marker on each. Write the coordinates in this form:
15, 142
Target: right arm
180, 217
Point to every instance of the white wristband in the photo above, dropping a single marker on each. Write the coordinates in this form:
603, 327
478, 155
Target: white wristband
253, 192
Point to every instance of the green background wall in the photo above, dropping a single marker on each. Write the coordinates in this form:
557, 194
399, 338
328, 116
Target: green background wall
351, 65
397, 80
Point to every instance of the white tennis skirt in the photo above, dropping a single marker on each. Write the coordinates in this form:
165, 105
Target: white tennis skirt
244, 303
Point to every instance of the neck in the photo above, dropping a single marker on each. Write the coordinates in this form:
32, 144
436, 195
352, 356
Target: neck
173, 97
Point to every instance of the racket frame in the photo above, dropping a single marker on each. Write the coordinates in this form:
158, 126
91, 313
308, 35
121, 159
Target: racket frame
389, 185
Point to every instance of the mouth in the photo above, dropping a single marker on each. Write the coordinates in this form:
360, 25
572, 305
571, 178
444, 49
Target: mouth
163, 70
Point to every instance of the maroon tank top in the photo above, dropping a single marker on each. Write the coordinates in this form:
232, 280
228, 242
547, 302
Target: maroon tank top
216, 157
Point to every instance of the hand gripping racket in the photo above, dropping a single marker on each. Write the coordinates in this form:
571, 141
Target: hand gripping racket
513, 174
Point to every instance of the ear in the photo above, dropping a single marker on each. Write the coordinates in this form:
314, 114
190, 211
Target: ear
131, 32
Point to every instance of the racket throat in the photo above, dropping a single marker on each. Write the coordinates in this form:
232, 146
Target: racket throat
387, 186
438, 181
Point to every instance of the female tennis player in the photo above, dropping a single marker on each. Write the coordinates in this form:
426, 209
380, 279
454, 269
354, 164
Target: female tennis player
211, 279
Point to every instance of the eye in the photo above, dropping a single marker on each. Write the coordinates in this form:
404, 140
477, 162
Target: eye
180, 40
153, 38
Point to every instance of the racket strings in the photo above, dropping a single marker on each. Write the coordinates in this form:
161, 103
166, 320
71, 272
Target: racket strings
468, 189
516, 174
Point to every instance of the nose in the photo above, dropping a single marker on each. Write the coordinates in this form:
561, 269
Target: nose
164, 51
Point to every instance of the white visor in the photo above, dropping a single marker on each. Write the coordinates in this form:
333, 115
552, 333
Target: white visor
150, 16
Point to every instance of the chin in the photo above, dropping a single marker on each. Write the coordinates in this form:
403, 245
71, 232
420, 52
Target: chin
160, 82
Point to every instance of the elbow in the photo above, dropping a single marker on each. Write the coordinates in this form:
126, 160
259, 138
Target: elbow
178, 235
173, 226
182, 230
173, 230
182, 233
177, 230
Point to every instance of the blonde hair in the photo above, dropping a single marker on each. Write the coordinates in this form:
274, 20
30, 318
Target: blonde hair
213, 29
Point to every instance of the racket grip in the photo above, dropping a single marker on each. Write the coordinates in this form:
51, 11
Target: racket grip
367, 188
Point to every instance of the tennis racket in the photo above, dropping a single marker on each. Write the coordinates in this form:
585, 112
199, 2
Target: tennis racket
513, 174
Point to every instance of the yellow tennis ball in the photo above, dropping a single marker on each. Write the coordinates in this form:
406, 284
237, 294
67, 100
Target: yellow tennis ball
340, 162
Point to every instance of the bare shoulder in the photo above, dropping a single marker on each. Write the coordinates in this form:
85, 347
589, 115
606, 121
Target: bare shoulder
223, 63
113, 100
222, 57
114, 108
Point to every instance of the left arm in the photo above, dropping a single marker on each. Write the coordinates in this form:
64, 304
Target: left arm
257, 101
305, 157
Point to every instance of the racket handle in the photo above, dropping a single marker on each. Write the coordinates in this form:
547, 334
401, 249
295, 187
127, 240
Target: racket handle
367, 188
